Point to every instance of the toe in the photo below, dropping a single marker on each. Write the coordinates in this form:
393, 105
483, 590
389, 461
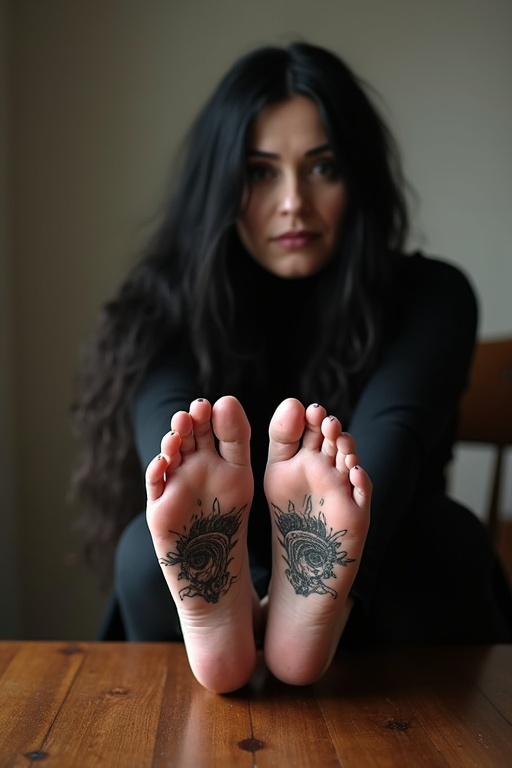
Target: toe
182, 423
315, 415
331, 430
286, 429
346, 443
346, 458
201, 415
362, 484
170, 443
155, 477
232, 430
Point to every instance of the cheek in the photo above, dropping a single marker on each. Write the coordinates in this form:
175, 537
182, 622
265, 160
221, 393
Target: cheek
247, 233
251, 219
245, 229
335, 206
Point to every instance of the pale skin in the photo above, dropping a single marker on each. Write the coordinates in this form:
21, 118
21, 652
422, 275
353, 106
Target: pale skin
199, 497
294, 201
308, 455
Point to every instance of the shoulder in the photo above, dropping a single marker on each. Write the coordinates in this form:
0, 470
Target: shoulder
430, 280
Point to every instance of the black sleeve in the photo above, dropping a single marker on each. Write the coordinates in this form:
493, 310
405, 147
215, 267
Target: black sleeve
404, 420
170, 385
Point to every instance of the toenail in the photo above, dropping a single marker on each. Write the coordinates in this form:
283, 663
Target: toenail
316, 405
159, 457
332, 418
200, 400
356, 466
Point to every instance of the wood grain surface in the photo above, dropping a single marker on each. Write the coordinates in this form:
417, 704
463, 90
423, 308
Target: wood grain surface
135, 705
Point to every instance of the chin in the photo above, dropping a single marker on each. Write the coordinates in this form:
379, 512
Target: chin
298, 271
298, 275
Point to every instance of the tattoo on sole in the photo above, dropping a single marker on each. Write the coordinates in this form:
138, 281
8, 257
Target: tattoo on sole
203, 552
312, 551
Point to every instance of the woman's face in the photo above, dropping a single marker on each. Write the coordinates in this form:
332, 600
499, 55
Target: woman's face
294, 199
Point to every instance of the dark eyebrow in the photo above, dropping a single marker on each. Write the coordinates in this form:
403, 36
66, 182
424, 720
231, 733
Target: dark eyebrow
259, 153
273, 156
318, 150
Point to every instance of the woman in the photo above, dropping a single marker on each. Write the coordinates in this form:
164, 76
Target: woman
278, 278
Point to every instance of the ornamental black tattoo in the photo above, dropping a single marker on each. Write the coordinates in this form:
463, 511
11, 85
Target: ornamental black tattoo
311, 551
203, 552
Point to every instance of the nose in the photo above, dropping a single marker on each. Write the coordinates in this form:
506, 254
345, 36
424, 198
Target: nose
293, 195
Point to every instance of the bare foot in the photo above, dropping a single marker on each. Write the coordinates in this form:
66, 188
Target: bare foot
319, 501
198, 507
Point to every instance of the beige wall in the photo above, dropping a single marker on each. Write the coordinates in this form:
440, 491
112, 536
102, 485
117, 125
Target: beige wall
100, 93
9, 625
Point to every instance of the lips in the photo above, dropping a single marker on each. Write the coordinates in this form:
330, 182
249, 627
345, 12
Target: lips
296, 239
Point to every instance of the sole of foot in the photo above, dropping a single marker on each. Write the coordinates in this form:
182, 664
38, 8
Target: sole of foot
319, 500
199, 496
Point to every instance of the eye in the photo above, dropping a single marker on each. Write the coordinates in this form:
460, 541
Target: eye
259, 172
326, 167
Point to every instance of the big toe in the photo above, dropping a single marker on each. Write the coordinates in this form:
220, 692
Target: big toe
232, 430
286, 429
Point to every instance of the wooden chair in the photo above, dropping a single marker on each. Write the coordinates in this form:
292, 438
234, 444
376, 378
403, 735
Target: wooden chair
486, 410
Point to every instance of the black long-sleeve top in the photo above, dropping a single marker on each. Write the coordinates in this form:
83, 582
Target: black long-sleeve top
404, 421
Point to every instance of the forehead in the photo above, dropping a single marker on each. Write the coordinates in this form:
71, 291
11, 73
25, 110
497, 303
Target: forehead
291, 124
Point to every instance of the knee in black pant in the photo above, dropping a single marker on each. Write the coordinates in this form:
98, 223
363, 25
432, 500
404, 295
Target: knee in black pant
146, 605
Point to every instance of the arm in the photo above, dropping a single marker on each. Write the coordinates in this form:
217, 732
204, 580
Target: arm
404, 421
170, 385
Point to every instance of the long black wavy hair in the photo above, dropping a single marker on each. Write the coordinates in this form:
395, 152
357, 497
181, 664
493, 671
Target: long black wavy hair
184, 289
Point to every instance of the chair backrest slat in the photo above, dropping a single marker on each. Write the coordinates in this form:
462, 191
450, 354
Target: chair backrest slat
486, 407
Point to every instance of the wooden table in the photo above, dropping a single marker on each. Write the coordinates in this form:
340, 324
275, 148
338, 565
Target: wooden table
137, 705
